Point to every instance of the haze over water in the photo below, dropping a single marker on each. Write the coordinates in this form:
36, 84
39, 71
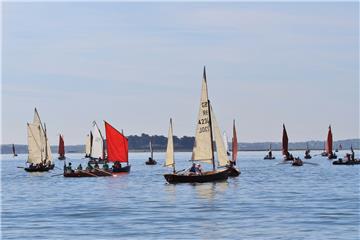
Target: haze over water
268, 201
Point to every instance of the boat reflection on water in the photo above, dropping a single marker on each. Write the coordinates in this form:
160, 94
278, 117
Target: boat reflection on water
210, 190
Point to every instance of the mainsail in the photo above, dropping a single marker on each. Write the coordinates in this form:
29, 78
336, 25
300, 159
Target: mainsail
97, 149
38, 145
169, 160
61, 146
285, 141
226, 144
117, 144
203, 148
220, 148
329, 142
151, 149
235, 144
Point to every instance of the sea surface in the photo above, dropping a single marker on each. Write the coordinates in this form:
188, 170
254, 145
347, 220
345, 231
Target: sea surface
269, 200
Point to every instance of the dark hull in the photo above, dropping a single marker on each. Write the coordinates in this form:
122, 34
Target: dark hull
268, 158
324, 154
151, 162
332, 157
341, 162
233, 172
42, 169
307, 157
123, 169
297, 163
62, 158
205, 177
288, 159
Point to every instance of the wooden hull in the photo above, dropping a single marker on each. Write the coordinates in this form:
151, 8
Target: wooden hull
297, 163
97, 172
42, 169
61, 157
332, 157
210, 176
347, 162
288, 159
307, 157
151, 162
233, 171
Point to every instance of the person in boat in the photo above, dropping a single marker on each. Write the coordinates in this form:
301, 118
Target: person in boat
89, 167
117, 165
106, 165
270, 154
79, 168
198, 169
68, 169
151, 160
193, 169
352, 154
97, 165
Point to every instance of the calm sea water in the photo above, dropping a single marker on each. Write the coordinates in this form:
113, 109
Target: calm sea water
268, 201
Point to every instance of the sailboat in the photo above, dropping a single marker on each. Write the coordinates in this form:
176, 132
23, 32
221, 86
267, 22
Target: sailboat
329, 145
203, 149
234, 172
97, 153
349, 159
324, 153
307, 152
226, 144
117, 148
61, 149
39, 157
88, 143
151, 160
269, 156
285, 146
13, 150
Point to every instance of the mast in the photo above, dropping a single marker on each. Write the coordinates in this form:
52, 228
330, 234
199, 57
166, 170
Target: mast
46, 144
151, 149
234, 144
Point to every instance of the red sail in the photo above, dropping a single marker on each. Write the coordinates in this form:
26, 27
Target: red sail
13, 148
116, 144
329, 142
61, 146
234, 144
285, 141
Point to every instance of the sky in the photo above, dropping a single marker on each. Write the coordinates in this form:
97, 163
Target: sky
136, 65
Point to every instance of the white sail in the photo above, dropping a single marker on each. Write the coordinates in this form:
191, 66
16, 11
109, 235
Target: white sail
48, 155
87, 145
169, 160
97, 149
35, 150
220, 147
226, 144
202, 150
36, 119
151, 149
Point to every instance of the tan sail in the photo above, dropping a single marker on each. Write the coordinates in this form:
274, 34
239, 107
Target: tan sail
35, 148
169, 160
87, 145
202, 150
219, 141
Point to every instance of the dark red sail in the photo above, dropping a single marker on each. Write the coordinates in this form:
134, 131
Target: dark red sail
13, 149
116, 144
234, 144
285, 141
61, 146
329, 142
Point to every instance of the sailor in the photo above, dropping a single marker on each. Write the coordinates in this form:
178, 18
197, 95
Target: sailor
96, 165
89, 167
106, 165
193, 168
198, 169
79, 167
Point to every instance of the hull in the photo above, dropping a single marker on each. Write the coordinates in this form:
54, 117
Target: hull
297, 163
233, 171
61, 157
307, 157
324, 154
38, 169
288, 159
332, 157
123, 169
348, 162
210, 176
151, 162
268, 158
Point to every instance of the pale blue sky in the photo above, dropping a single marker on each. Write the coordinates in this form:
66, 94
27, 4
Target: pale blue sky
137, 64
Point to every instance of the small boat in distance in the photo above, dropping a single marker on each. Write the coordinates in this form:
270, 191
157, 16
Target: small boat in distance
13, 150
203, 149
39, 157
285, 141
61, 149
297, 162
151, 160
349, 159
88, 143
307, 152
324, 153
269, 156
233, 171
329, 145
